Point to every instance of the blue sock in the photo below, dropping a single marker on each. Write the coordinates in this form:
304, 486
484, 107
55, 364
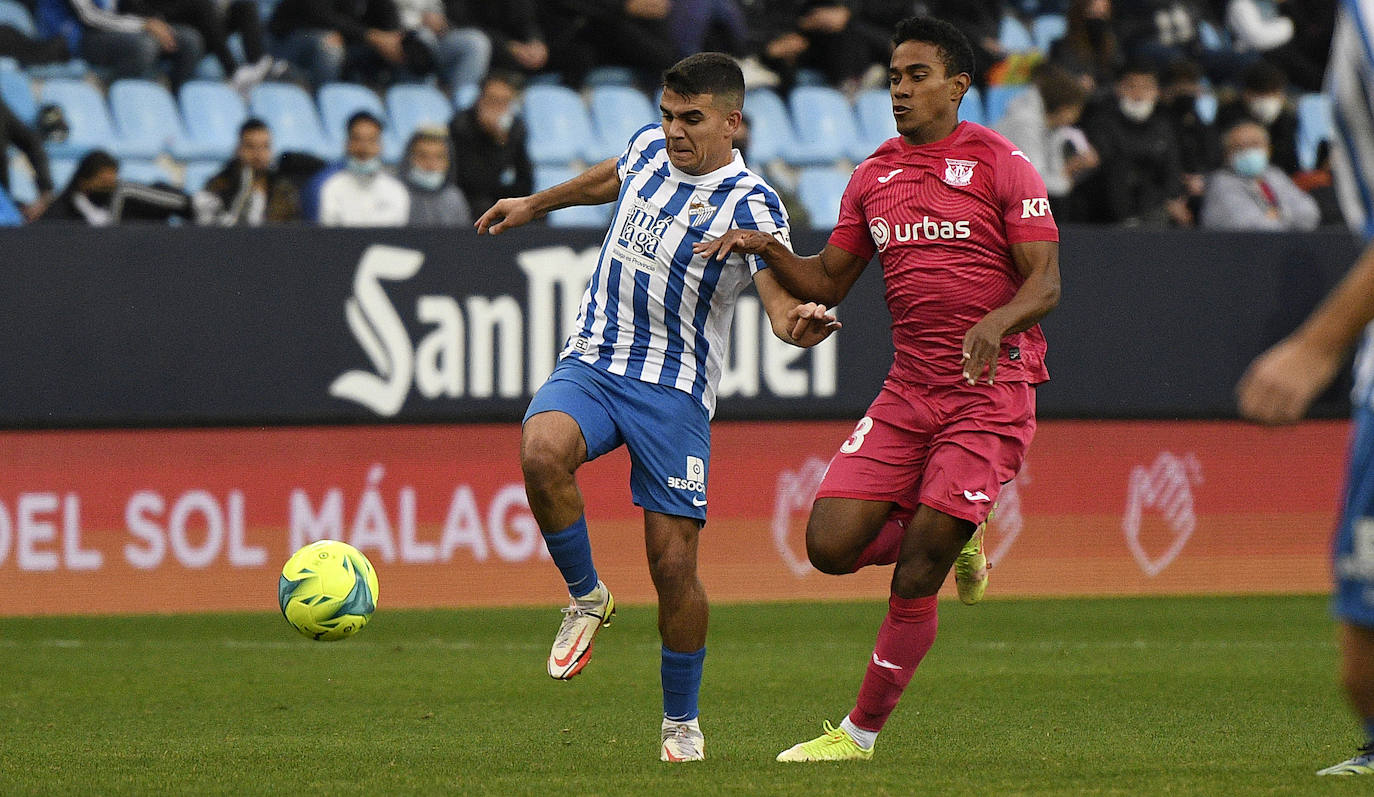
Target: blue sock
571, 550
681, 673
1369, 731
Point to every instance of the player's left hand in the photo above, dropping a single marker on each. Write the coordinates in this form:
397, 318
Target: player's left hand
811, 323
1282, 383
749, 242
982, 344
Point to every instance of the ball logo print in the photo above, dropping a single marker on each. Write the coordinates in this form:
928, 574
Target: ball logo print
796, 490
1167, 488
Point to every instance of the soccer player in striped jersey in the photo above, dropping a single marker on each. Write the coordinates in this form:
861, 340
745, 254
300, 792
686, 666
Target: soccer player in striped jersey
1281, 383
960, 223
642, 366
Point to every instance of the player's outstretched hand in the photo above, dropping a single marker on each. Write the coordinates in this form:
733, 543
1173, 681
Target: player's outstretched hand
982, 343
811, 324
1282, 383
506, 213
751, 242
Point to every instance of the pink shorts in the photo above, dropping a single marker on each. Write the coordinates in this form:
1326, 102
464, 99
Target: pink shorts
950, 447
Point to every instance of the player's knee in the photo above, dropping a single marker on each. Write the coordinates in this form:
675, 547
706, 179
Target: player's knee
673, 570
826, 554
545, 461
919, 574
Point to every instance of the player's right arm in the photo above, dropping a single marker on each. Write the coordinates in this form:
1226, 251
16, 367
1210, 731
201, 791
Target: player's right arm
596, 186
1282, 383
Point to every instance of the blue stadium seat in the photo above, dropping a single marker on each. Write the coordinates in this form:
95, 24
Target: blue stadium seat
1314, 126
143, 171
770, 127
88, 121
213, 114
22, 186
290, 112
578, 215
198, 173
1047, 29
338, 101
14, 88
17, 16
1013, 35
617, 112
1206, 107
146, 113
560, 130
62, 170
820, 189
825, 125
874, 109
610, 76
411, 105
465, 96
971, 109
995, 103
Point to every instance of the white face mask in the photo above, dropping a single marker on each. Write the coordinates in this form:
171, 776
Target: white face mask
1136, 110
1265, 109
364, 168
430, 181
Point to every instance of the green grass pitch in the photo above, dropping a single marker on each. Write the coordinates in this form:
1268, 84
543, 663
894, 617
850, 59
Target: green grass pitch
1201, 696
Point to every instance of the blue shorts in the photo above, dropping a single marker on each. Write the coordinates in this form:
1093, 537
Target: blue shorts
666, 430
1353, 558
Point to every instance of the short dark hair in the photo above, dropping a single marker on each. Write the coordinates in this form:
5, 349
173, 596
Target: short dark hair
1263, 77
94, 162
716, 74
1139, 66
363, 116
252, 125
513, 79
955, 51
1058, 89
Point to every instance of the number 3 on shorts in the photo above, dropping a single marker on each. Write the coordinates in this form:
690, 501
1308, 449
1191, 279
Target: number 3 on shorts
857, 439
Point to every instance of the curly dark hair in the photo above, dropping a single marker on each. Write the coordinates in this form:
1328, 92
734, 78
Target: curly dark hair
955, 51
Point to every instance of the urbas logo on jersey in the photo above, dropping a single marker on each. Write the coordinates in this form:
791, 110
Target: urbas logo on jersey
639, 237
927, 228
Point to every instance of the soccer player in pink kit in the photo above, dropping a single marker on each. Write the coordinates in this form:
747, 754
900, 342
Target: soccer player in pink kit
961, 225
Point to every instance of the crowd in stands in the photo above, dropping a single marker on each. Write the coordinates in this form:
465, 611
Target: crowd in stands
1163, 113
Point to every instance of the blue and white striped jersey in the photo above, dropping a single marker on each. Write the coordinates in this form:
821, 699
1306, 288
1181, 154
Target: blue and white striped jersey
654, 310
1350, 83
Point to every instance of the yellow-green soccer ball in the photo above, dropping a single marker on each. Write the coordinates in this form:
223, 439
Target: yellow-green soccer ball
328, 590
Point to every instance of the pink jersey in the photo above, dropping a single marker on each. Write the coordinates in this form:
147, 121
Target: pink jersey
942, 218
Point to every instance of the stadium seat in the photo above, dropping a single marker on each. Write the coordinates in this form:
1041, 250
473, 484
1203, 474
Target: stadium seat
609, 76
874, 109
213, 114
14, 88
17, 16
820, 190
995, 103
198, 173
465, 96
825, 125
143, 171
146, 113
290, 113
1206, 107
1013, 35
971, 109
1047, 29
577, 215
1314, 126
339, 101
560, 129
617, 112
88, 121
770, 127
411, 105
62, 170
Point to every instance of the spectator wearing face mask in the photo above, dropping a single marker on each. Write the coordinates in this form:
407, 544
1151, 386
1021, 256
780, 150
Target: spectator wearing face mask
489, 139
361, 194
96, 196
1250, 194
434, 200
1140, 180
1264, 99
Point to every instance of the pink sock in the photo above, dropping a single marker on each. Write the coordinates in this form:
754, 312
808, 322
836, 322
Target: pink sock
885, 547
905, 636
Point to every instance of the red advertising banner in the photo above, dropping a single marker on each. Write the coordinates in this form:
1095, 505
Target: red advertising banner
184, 520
